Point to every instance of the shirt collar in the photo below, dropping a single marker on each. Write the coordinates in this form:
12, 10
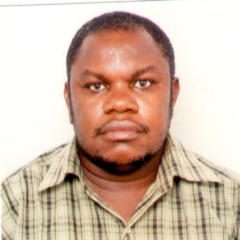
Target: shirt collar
176, 162
64, 163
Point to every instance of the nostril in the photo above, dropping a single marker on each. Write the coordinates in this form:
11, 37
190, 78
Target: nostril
120, 103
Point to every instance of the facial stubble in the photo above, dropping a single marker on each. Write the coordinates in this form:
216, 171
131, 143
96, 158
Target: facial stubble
113, 166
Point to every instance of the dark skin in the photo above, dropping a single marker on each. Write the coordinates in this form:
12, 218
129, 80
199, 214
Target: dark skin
120, 99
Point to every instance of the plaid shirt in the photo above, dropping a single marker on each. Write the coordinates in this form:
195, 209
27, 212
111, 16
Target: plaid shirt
190, 199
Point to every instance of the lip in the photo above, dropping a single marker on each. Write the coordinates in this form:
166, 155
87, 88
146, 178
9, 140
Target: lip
124, 130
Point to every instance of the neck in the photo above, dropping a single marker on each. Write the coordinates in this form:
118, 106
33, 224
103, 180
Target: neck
121, 192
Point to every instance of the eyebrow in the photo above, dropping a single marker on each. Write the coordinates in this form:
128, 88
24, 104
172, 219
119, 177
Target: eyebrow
135, 75
142, 71
87, 73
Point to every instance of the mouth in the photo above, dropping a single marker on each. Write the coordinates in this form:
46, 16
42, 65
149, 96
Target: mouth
123, 130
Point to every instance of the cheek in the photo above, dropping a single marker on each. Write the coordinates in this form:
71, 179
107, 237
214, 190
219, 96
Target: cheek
87, 115
155, 109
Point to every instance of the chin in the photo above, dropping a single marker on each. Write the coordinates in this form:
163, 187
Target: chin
119, 163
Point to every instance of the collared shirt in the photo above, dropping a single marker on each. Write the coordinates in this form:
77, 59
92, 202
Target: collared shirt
190, 199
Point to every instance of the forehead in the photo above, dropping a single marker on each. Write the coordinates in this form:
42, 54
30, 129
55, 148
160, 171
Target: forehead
122, 51
133, 41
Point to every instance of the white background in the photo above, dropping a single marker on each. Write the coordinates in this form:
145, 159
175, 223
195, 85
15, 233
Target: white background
33, 46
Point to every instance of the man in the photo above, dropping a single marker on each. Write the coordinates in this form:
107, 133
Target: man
123, 176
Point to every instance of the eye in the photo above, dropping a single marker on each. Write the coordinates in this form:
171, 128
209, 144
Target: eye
142, 83
97, 87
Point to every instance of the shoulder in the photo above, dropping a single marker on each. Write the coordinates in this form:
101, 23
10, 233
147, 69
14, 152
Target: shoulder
225, 175
222, 196
20, 190
199, 165
33, 172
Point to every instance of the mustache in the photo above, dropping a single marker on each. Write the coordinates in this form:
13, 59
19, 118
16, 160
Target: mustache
144, 128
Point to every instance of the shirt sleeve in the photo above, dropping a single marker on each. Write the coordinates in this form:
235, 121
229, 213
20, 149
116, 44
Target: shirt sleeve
9, 211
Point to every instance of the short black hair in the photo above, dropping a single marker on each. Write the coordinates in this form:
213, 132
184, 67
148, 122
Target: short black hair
125, 21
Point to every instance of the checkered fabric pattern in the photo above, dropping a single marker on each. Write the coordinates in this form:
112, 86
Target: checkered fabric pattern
190, 199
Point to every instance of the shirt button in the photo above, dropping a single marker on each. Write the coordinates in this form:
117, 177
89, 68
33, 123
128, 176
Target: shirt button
128, 231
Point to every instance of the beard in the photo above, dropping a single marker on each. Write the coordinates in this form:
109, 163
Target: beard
113, 166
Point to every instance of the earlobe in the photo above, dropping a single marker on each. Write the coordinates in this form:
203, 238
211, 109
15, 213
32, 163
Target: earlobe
175, 89
68, 101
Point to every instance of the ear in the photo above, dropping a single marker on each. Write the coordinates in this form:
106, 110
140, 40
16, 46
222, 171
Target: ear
68, 101
175, 89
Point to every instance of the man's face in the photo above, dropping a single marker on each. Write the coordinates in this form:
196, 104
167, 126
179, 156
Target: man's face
120, 97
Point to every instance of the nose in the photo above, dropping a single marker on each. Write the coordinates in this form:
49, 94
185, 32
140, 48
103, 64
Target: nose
120, 100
